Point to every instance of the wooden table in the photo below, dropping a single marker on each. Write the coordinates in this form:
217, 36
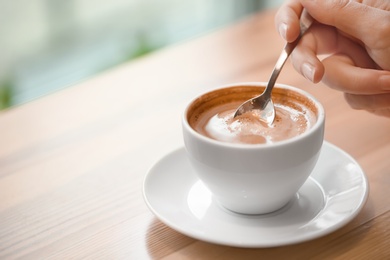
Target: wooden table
72, 163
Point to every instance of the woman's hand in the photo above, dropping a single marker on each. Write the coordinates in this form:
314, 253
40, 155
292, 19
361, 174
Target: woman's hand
353, 40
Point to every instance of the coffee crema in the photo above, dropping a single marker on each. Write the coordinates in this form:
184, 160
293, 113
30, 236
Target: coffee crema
212, 115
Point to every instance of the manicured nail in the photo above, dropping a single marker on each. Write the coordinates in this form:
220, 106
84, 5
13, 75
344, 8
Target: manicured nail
308, 71
283, 30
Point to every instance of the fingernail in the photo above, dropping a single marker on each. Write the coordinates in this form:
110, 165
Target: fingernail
308, 71
283, 30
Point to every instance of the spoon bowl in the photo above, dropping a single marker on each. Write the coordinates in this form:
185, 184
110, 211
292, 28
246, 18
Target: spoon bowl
263, 103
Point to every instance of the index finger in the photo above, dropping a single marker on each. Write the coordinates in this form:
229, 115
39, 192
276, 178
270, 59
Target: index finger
287, 19
352, 17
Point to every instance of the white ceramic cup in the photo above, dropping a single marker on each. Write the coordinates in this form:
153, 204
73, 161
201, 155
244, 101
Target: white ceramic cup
255, 178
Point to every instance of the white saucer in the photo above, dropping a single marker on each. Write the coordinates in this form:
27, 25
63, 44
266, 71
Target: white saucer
333, 195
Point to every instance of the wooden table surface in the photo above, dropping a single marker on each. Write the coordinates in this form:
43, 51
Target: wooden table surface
72, 163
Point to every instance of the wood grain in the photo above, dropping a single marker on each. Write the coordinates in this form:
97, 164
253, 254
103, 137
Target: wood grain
72, 163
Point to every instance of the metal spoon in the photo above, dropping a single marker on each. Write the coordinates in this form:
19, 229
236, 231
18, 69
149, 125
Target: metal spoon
263, 103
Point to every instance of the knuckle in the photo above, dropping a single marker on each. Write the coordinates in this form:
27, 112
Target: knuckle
381, 34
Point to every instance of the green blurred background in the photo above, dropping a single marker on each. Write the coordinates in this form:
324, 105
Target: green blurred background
47, 45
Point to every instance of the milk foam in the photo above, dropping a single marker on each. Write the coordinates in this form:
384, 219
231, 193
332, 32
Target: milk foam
247, 128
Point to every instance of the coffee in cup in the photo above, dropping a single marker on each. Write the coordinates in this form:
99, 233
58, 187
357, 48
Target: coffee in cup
253, 168
212, 115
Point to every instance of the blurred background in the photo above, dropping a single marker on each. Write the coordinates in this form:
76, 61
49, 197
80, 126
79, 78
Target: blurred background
47, 45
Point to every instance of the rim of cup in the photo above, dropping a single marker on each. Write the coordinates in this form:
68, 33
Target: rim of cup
320, 117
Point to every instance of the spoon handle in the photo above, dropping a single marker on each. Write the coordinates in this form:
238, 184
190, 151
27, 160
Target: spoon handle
305, 22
